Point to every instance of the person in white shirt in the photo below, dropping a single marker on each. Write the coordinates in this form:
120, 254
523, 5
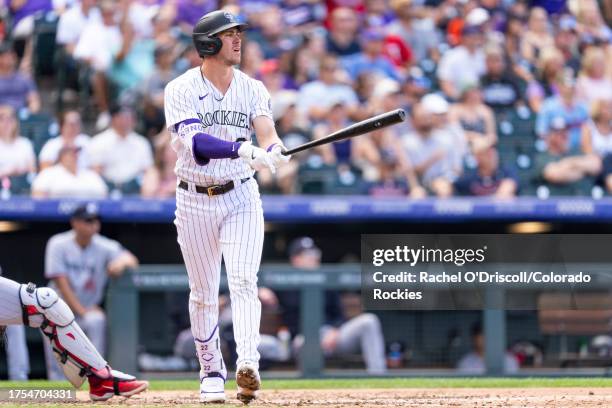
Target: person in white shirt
17, 156
464, 64
317, 97
65, 179
73, 22
70, 134
119, 154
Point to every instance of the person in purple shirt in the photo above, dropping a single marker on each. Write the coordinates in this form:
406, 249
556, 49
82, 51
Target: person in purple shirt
16, 89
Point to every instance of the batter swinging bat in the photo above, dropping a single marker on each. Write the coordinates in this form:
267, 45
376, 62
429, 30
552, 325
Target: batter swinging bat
356, 129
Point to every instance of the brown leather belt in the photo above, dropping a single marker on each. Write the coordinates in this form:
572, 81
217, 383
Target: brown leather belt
217, 189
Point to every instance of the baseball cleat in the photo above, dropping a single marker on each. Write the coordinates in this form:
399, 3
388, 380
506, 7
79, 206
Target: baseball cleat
212, 388
248, 381
106, 383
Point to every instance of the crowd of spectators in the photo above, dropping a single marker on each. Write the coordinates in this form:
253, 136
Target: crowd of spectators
505, 97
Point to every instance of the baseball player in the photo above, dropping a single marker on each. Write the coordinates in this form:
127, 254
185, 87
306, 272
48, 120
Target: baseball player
211, 112
79, 262
77, 357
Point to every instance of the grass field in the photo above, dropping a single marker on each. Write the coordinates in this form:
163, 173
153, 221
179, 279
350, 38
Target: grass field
347, 383
373, 392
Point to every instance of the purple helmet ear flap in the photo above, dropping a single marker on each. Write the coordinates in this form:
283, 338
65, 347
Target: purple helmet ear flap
206, 45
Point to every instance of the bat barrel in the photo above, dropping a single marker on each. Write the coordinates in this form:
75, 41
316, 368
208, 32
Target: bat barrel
359, 128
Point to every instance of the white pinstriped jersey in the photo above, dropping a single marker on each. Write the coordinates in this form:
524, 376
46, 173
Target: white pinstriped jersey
228, 117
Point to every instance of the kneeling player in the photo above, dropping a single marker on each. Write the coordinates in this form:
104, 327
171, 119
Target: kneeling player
43, 308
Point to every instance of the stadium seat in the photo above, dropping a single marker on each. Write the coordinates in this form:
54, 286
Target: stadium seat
43, 44
38, 127
314, 177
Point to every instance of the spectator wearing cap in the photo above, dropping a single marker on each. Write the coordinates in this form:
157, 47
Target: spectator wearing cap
415, 28
462, 64
342, 36
447, 131
538, 35
17, 157
67, 180
566, 105
564, 170
429, 151
549, 67
501, 88
476, 118
315, 97
488, 179
119, 154
344, 331
372, 58
566, 41
415, 87
70, 134
78, 263
396, 175
16, 89
593, 84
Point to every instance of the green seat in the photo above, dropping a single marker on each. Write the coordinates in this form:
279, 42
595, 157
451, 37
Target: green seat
39, 128
44, 45
313, 178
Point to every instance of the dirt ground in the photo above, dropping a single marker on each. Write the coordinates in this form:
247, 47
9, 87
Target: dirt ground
413, 397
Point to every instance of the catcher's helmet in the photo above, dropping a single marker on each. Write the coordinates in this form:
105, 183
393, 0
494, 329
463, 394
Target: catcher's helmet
205, 30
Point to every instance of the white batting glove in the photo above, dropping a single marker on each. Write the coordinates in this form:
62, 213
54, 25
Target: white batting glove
256, 157
276, 152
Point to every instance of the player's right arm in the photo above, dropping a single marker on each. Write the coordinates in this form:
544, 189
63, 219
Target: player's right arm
182, 119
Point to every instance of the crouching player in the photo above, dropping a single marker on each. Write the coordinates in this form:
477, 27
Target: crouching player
43, 308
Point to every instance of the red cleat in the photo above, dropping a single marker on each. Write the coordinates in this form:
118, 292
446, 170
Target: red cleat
106, 383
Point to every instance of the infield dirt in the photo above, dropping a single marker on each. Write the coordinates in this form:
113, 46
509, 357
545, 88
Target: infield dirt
413, 397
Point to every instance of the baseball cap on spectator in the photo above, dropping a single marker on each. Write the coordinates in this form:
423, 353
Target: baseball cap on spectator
558, 123
283, 100
372, 34
268, 66
385, 88
67, 149
416, 77
471, 30
434, 104
86, 212
567, 23
303, 245
477, 17
119, 108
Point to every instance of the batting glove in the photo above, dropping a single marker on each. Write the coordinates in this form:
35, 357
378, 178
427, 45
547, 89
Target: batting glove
256, 157
276, 152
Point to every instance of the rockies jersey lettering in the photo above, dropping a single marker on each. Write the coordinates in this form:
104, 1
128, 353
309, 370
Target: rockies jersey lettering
226, 118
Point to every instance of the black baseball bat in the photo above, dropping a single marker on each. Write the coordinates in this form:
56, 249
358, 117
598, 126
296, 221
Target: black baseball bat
356, 129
